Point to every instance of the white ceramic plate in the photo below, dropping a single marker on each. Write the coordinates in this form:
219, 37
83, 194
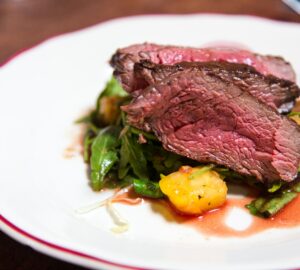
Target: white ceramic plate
45, 89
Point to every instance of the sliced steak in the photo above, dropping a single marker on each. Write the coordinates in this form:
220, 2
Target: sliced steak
277, 93
124, 59
200, 115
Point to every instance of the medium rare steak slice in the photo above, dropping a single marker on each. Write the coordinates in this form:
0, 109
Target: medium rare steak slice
277, 93
124, 59
197, 114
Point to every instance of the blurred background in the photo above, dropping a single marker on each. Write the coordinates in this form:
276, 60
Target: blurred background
25, 23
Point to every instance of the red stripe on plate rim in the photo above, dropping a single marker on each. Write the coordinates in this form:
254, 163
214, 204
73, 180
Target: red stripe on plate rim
72, 252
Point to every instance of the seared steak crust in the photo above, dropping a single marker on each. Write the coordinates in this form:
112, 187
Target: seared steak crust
124, 59
277, 93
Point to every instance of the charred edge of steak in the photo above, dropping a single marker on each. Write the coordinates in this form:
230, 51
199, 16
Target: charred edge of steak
147, 72
124, 58
241, 69
123, 65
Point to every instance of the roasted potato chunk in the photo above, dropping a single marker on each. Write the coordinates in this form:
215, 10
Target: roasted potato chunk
194, 190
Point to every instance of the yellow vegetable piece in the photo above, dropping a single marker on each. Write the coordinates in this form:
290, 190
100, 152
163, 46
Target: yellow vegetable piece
109, 109
194, 190
296, 118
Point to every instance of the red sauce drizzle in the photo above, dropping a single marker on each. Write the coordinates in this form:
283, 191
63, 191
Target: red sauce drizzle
213, 223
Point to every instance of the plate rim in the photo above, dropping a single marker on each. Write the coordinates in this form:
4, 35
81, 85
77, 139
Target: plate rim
56, 251
71, 255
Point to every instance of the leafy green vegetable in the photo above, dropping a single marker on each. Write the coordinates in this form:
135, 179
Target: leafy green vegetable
103, 155
112, 88
132, 153
147, 135
124, 165
88, 140
147, 188
229, 174
84, 119
112, 180
161, 161
116, 97
233, 177
89, 120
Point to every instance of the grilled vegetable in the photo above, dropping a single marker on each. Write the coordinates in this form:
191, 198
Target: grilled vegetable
270, 204
194, 190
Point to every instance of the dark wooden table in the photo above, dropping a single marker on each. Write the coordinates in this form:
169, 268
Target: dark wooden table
27, 22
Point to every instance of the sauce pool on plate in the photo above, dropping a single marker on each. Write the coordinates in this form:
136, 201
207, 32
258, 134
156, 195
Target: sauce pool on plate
214, 223
217, 222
